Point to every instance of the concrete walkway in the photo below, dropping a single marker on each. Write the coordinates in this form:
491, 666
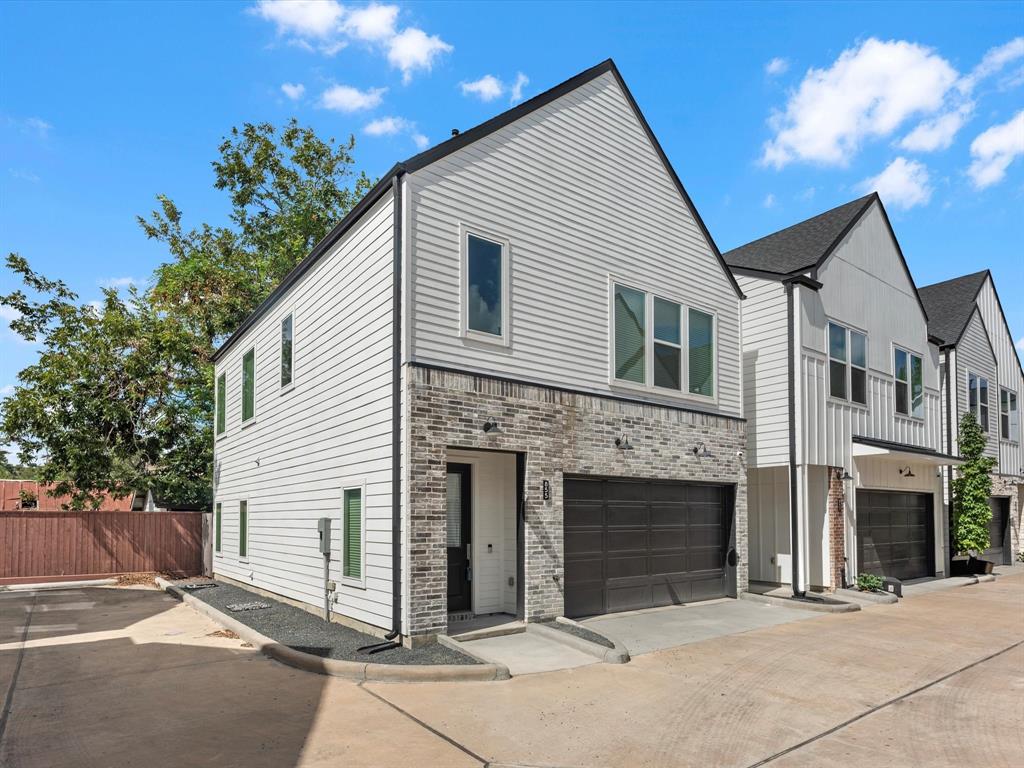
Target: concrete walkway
526, 653
675, 625
117, 677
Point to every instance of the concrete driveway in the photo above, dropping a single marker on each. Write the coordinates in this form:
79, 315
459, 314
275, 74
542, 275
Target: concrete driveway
656, 629
117, 677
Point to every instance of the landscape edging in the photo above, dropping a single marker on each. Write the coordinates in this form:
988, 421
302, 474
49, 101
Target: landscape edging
800, 605
350, 670
618, 654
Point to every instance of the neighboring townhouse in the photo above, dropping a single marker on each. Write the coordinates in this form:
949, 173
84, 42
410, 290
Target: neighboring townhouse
510, 377
841, 382
979, 363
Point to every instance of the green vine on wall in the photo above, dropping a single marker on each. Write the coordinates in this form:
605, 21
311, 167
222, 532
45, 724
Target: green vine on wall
972, 486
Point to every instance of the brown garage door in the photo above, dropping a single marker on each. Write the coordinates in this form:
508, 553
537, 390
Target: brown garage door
894, 534
638, 544
998, 551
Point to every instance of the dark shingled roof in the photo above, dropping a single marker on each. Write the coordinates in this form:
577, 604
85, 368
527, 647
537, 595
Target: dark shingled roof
801, 246
950, 304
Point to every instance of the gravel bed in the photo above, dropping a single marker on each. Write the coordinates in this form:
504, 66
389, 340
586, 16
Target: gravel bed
583, 632
303, 631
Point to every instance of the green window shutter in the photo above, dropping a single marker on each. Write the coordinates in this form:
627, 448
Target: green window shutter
249, 385
243, 528
286, 351
221, 403
630, 335
216, 528
352, 547
702, 353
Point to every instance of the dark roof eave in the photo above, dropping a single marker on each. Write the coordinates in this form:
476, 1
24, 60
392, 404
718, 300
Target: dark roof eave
903, 447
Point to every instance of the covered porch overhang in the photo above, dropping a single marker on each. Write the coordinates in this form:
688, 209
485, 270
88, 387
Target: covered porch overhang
870, 447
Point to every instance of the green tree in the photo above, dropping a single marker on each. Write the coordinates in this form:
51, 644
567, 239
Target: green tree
972, 486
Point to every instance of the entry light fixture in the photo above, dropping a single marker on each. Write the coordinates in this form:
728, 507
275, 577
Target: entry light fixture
701, 451
491, 426
907, 472
623, 444
846, 475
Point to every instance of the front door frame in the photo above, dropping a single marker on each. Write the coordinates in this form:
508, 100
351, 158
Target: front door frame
465, 471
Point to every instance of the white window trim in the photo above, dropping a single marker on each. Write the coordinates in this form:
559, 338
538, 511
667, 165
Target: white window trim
1014, 434
977, 415
848, 400
285, 388
910, 384
241, 388
218, 549
216, 407
467, 334
248, 529
648, 386
350, 581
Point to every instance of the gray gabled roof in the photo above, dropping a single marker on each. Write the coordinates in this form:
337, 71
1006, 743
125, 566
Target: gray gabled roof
802, 246
950, 305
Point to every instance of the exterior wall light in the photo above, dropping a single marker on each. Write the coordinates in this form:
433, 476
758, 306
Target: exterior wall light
701, 451
907, 472
491, 426
846, 475
623, 444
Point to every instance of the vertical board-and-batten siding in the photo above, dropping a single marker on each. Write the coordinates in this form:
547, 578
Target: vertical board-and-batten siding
974, 355
765, 373
331, 430
580, 193
865, 287
1011, 458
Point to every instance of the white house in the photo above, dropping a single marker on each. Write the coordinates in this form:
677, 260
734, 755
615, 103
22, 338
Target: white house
511, 377
841, 382
979, 363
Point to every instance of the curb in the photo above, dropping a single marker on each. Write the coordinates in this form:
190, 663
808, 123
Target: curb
350, 670
55, 585
882, 598
618, 654
799, 604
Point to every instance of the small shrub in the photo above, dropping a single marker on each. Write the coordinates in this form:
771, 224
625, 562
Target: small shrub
868, 582
1020, 556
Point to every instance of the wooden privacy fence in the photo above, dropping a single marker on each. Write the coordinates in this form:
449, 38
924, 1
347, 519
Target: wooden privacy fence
37, 545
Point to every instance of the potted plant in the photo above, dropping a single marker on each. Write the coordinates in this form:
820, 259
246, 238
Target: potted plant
972, 486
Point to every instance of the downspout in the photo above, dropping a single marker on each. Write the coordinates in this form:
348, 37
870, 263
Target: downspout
794, 510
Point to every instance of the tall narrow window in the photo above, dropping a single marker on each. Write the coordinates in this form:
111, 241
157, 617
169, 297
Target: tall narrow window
977, 398
858, 368
286, 351
243, 529
216, 527
352, 531
484, 286
248, 385
901, 372
668, 345
837, 361
916, 387
630, 335
702, 353
221, 403
1008, 423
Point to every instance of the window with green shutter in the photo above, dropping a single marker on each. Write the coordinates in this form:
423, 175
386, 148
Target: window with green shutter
352, 531
216, 528
221, 403
702, 353
248, 385
243, 529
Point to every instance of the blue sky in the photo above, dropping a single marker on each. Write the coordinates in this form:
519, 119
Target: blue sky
770, 113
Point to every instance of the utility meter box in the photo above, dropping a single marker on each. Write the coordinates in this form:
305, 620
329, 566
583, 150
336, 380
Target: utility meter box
324, 527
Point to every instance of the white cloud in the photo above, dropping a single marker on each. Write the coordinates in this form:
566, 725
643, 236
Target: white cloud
776, 66
769, 201
345, 98
938, 132
293, 91
868, 92
421, 141
306, 18
808, 194
375, 22
903, 184
1020, 343
994, 150
413, 49
517, 87
18, 173
393, 126
121, 282
7, 391
992, 62
487, 88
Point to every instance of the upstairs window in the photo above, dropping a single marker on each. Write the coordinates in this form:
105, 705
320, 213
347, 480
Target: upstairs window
908, 371
662, 344
286, 352
485, 288
221, 403
977, 398
1008, 423
248, 385
847, 364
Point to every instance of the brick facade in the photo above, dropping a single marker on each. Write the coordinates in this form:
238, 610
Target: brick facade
560, 433
1007, 485
836, 526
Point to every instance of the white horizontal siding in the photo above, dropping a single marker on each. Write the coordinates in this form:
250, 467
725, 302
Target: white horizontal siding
332, 429
580, 193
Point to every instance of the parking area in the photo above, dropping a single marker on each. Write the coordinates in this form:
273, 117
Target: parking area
130, 677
